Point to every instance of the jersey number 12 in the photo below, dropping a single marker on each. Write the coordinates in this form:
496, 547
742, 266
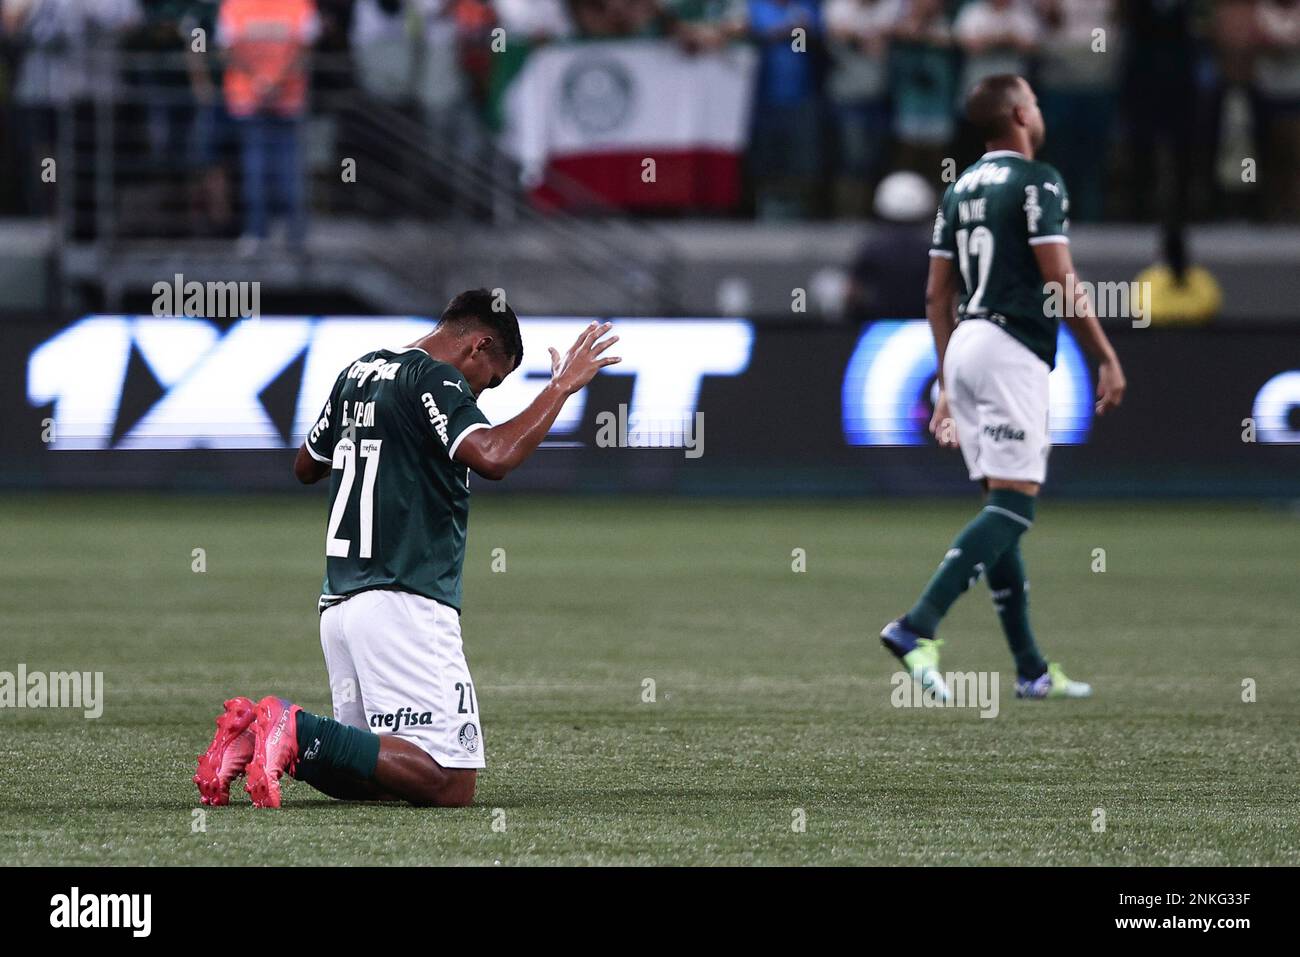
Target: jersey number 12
975, 244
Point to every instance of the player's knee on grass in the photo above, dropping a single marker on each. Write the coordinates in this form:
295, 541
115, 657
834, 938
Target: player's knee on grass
452, 787
412, 774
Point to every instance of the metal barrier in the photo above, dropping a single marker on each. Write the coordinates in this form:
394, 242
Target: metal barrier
127, 207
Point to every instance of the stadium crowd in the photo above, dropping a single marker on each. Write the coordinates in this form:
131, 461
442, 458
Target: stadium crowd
1135, 93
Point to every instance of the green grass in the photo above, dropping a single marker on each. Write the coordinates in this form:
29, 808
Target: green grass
772, 691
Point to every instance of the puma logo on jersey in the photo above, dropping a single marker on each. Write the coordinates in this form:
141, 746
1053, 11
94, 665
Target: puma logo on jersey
376, 368
456, 385
436, 418
1053, 189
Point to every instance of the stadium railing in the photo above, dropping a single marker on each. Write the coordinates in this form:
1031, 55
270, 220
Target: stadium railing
125, 209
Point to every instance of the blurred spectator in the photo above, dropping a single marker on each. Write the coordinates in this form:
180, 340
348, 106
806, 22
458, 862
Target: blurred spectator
786, 149
640, 18
923, 87
534, 21
858, 40
997, 36
888, 275
475, 20
66, 59
441, 87
705, 24
1277, 81
528, 24
1159, 76
383, 41
598, 18
210, 131
1176, 292
1230, 121
448, 30
169, 108
1076, 90
267, 43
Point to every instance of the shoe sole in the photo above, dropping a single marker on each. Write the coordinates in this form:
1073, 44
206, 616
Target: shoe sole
208, 775
942, 692
1054, 697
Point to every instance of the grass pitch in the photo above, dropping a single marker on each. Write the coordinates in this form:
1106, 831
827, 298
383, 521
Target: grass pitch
772, 694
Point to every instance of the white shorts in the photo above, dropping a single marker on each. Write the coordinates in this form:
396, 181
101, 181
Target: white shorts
998, 395
396, 666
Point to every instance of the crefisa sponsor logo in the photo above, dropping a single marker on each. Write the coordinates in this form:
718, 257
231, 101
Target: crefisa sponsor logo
401, 718
436, 417
77, 910
1004, 430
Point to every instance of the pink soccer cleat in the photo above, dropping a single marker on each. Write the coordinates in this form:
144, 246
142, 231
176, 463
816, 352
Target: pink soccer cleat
229, 753
275, 750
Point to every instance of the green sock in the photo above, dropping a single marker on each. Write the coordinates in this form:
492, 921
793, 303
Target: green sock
1006, 578
997, 527
324, 745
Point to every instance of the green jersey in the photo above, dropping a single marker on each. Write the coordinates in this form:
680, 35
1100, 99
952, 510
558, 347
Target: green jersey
989, 221
399, 502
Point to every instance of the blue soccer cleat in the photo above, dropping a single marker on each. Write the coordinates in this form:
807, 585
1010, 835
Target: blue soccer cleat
1052, 683
918, 654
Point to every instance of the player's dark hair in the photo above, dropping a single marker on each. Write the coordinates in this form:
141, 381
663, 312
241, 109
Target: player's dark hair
482, 307
990, 105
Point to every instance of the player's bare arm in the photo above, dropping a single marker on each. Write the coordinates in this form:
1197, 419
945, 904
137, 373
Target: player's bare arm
940, 310
308, 470
494, 453
1057, 266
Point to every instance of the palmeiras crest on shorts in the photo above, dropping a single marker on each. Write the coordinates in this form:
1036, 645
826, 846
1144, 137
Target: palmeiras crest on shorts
598, 95
469, 736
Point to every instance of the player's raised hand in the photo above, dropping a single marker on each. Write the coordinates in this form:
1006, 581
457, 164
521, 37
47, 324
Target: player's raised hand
1110, 386
580, 364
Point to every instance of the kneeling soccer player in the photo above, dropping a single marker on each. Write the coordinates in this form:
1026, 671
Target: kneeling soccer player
398, 437
1002, 227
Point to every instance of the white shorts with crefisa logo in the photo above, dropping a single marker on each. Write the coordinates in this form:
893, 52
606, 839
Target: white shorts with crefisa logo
998, 396
396, 666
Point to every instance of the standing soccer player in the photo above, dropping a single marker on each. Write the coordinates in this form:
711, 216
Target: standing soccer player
398, 437
1001, 232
